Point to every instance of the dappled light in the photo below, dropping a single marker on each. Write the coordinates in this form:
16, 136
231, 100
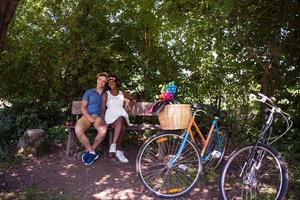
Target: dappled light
14, 174
105, 179
115, 194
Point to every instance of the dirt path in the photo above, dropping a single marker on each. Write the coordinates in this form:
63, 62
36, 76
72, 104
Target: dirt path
105, 179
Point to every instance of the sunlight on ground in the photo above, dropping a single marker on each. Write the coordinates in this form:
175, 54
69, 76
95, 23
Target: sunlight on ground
10, 195
63, 173
114, 194
69, 166
126, 174
205, 190
14, 174
29, 168
104, 180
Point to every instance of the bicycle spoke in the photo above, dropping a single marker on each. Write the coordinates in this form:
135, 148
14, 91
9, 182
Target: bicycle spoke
261, 180
164, 180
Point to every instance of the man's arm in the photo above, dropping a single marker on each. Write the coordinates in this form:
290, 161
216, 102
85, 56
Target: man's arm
84, 111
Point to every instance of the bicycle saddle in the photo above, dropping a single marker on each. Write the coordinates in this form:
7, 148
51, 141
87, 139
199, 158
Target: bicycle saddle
221, 114
197, 106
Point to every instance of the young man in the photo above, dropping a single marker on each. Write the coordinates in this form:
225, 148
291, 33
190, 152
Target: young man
91, 110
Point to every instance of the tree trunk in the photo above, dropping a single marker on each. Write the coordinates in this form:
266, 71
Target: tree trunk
7, 10
267, 88
267, 82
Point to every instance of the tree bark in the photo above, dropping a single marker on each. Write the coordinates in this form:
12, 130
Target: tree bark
267, 82
7, 10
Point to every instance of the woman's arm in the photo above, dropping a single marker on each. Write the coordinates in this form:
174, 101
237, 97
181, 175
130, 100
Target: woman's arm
103, 106
128, 96
132, 101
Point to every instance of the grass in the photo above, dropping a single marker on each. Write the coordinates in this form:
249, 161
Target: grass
34, 193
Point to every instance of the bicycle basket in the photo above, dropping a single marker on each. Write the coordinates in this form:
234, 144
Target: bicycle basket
176, 116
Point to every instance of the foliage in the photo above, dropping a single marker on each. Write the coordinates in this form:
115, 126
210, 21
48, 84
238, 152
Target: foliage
57, 134
215, 51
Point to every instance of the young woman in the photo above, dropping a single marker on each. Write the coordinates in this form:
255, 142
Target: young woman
115, 115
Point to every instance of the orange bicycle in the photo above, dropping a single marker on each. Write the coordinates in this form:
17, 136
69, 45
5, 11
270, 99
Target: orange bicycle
169, 163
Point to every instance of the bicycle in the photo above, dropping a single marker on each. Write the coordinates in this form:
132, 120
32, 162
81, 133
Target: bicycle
169, 163
257, 171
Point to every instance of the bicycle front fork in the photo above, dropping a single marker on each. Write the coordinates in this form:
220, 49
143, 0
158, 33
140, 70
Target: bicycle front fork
184, 137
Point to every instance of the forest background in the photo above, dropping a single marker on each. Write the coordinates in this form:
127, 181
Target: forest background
215, 51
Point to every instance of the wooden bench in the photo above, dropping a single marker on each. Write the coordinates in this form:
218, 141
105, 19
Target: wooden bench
139, 109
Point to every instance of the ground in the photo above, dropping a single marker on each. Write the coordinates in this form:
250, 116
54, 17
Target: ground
107, 178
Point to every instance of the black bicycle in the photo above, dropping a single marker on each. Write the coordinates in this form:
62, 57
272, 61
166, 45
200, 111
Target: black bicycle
257, 171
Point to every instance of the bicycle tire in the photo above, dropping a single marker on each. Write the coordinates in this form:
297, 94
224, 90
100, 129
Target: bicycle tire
171, 185
254, 179
214, 161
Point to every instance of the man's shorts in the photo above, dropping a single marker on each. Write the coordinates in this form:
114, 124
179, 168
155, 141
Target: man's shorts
84, 123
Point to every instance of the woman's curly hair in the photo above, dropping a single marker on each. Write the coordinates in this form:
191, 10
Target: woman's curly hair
116, 79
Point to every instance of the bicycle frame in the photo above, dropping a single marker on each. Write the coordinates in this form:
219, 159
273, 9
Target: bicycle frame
189, 133
262, 138
204, 141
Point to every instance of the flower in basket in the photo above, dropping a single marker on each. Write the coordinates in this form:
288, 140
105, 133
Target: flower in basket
167, 91
166, 97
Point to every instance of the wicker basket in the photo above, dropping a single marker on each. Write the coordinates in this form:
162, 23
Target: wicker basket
176, 116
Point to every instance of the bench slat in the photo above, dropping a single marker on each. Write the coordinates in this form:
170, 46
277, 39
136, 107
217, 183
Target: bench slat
132, 127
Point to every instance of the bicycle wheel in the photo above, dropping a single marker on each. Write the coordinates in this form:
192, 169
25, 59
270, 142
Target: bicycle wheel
265, 177
216, 149
157, 177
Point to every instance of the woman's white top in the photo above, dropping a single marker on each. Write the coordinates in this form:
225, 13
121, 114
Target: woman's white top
115, 108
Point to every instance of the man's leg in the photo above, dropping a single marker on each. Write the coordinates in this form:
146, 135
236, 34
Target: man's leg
81, 125
101, 133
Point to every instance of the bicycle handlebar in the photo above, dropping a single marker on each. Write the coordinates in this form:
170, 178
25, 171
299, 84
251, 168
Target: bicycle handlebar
263, 98
269, 101
274, 108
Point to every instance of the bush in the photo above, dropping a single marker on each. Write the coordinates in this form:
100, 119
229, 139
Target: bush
21, 116
57, 134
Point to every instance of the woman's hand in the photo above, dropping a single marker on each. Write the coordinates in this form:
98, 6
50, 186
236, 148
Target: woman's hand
131, 103
128, 104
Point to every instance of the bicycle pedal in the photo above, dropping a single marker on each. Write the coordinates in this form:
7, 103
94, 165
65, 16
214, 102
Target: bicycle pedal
183, 167
216, 154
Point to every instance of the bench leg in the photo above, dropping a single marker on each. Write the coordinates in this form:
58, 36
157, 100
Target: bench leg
70, 142
111, 136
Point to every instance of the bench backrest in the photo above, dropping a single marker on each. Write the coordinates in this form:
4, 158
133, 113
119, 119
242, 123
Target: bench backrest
139, 109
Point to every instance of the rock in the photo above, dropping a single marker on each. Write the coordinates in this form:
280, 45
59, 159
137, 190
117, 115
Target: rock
30, 136
29, 142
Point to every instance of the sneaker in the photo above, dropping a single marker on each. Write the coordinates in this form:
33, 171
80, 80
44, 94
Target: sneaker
121, 157
113, 148
84, 155
89, 158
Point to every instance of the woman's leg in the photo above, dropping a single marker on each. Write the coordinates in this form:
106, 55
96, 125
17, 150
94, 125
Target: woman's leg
121, 136
119, 127
119, 131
